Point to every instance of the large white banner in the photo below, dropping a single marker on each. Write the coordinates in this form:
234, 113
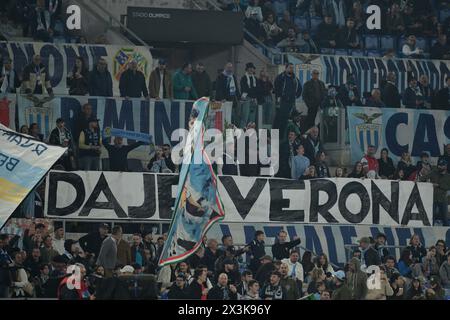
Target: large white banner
23, 163
144, 196
60, 59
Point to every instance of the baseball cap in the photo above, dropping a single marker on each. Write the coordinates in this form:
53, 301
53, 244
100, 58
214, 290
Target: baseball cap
127, 269
339, 274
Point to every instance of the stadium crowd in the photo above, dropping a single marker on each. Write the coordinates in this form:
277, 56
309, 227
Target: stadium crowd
40, 263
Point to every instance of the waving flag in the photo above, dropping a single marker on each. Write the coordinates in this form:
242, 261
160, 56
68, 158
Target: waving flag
198, 204
24, 161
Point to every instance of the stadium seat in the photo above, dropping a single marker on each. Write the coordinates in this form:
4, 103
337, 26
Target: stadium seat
373, 53
387, 42
341, 52
371, 42
357, 53
444, 14
301, 22
315, 21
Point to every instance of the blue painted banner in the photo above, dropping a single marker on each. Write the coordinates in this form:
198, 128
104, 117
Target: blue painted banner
60, 59
330, 239
369, 71
398, 130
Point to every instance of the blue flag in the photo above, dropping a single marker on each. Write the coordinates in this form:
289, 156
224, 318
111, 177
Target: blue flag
198, 204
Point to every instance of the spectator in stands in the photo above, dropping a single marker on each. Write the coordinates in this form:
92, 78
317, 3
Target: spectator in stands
386, 165
405, 164
77, 80
123, 253
309, 45
405, 263
33, 262
375, 99
201, 81
348, 93
273, 290
441, 251
289, 283
211, 255
412, 97
356, 279
253, 291
321, 165
160, 82
348, 36
342, 291
314, 92
89, 144
178, 290
286, 23
41, 23
337, 9
370, 163
431, 263
295, 268
443, 96
441, 181
308, 8
223, 290
35, 132
281, 248
358, 15
249, 95
317, 276
227, 90
257, 250
132, 82
47, 251
9, 79
415, 291
426, 91
394, 20
5, 263
20, 284
167, 153
234, 6
61, 136
137, 250
35, 77
92, 242
389, 265
264, 96
253, 20
82, 120
272, 30
294, 123
158, 163
340, 172
288, 150
58, 237
229, 268
299, 163
312, 144
444, 272
441, 49
369, 255
330, 112
424, 163
389, 91
322, 263
410, 50
292, 43
118, 153
327, 33
107, 257
264, 271
197, 290
383, 292
287, 90
100, 80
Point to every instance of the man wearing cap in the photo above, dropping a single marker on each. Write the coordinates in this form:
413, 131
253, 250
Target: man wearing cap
314, 92
132, 82
249, 94
342, 291
160, 82
61, 136
412, 97
274, 290
441, 182
264, 271
90, 144
92, 242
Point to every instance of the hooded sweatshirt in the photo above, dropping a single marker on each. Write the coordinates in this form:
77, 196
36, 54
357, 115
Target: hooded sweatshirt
357, 280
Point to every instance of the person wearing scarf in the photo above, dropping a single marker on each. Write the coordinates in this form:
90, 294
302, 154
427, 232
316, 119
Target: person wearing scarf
227, 90
35, 78
9, 80
249, 95
412, 98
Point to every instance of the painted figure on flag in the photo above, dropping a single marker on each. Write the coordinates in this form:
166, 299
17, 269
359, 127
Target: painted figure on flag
198, 203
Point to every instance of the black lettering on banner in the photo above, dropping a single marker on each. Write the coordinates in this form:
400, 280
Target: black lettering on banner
278, 203
315, 209
358, 189
379, 199
165, 199
421, 215
71, 178
243, 205
111, 203
148, 208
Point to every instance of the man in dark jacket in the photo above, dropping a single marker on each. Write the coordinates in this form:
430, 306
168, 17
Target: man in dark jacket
274, 290
383, 252
92, 242
132, 82
5, 263
35, 77
118, 153
287, 90
9, 79
348, 93
100, 80
348, 36
312, 145
178, 291
313, 94
201, 80
369, 256
223, 291
61, 136
342, 291
412, 97
257, 251
229, 269
441, 49
327, 33
389, 91
443, 96
227, 89
249, 91
281, 248
264, 271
